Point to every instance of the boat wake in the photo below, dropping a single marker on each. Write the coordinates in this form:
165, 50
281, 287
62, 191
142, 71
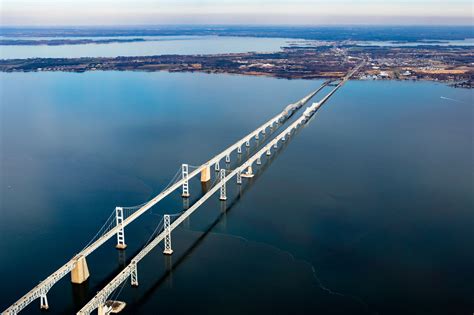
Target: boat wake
451, 99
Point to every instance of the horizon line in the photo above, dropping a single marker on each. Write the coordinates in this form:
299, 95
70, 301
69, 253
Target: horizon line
233, 25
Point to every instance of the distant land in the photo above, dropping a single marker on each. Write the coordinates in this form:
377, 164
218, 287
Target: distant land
361, 33
330, 54
58, 42
446, 64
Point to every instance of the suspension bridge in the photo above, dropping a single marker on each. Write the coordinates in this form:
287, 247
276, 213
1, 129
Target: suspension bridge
122, 216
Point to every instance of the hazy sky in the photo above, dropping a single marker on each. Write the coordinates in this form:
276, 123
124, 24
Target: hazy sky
137, 12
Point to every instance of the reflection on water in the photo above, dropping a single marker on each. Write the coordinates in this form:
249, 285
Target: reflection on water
372, 198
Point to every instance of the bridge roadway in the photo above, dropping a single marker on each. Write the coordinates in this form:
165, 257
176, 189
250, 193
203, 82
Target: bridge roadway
40, 291
99, 300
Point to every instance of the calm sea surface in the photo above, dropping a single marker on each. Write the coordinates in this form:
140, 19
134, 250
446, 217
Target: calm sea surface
182, 45
368, 209
153, 45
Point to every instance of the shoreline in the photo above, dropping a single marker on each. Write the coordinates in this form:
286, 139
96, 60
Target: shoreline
453, 84
451, 65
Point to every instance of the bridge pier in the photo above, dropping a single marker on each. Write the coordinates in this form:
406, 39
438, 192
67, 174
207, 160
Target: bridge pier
205, 186
80, 273
275, 145
185, 174
121, 232
269, 152
247, 143
239, 177
223, 195
166, 223
44, 302
103, 309
257, 135
217, 166
239, 150
227, 158
249, 173
206, 174
259, 161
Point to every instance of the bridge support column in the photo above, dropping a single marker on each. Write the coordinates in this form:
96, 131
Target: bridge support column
121, 232
275, 145
206, 174
239, 150
80, 273
239, 177
134, 275
185, 174
44, 302
269, 152
257, 136
263, 131
217, 166
249, 172
247, 143
103, 309
166, 223
223, 195
227, 158
259, 161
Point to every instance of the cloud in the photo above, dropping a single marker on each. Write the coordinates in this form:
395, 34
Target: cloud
87, 12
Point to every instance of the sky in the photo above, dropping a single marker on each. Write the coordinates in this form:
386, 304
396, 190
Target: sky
304, 12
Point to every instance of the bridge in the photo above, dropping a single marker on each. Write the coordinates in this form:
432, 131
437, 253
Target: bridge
123, 216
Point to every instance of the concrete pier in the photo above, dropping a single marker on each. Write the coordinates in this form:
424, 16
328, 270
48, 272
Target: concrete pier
206, 174
103, 309
248, 174
121, 246
80, 273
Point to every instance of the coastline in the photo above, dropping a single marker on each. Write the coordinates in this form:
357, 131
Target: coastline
326, 62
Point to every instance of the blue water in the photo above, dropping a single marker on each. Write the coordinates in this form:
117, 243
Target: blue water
366, 210
154, 45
